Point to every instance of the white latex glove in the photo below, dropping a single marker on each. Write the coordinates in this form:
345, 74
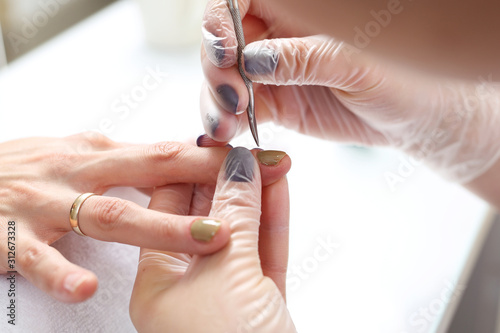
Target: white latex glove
228, 291
322, 87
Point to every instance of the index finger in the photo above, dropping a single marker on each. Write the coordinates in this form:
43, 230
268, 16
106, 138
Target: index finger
153, 165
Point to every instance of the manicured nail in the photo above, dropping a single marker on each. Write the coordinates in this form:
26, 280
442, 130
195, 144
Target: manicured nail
204, 230
199, 141
270, 157
213, 122
229, 97
239, 165
214, 48
206, 141
203, 140
260, 61
73, 281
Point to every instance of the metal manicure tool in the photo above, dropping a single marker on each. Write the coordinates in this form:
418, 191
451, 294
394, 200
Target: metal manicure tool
238, 27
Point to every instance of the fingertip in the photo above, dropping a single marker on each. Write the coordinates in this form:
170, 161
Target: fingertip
219, 125
239, 166
260, 60
229, 98
274, 164
77, 286
209, 235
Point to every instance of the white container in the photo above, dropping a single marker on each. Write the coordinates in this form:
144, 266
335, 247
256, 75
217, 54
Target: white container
172, 23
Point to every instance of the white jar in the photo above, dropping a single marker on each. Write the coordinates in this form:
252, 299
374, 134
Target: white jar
172, 23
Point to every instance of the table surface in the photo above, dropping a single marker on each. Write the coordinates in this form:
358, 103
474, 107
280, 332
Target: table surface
398, 258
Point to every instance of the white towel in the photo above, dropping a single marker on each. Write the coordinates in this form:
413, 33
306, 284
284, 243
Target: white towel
107, 311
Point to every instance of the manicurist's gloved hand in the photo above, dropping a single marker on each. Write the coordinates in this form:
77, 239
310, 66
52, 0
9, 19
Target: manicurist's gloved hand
238, 289
325, 88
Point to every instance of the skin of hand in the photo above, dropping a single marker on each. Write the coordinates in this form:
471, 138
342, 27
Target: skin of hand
459, 38
41, 177
325, 88
238, 289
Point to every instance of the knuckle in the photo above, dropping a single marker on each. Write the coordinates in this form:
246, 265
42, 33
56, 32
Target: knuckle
96, 139
31, 256
89, 140
166, 230
165, 151
109, 212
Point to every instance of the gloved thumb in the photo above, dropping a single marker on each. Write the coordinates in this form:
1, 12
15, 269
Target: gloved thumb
237, 199
314, 60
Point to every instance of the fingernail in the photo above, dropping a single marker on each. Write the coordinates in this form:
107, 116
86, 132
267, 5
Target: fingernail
214, 47
229, 97
205, 141
73, 281
239, 165
204, 230
202, 140
213, 122
260, 61
270, 157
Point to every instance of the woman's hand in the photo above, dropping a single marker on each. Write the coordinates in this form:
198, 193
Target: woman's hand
325, 88
238, 289
41, 177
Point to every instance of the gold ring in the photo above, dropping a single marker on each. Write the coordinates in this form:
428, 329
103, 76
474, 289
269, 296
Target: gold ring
75, 210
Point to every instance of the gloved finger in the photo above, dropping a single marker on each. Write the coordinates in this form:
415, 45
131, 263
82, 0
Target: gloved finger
274, 231
273, 165
158, 270
227, 86
314, 60
223, 126
47, 269
219, 38
118, 220
219, 124
237, 200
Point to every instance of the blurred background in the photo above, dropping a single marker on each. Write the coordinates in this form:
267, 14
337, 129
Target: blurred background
28, 23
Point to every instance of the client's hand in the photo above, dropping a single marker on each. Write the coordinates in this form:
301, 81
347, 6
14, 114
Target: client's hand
40, 178
238, 289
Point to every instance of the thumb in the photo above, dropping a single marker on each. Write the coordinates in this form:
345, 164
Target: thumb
237, 199
314, 60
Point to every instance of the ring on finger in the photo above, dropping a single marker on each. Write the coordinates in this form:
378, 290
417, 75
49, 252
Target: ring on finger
75, 210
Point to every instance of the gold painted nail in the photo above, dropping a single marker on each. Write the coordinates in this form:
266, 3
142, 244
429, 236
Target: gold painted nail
204, 230
270, 157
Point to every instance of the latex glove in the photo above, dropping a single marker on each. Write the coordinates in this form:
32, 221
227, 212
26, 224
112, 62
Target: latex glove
325, 88
228, 291
41, 177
